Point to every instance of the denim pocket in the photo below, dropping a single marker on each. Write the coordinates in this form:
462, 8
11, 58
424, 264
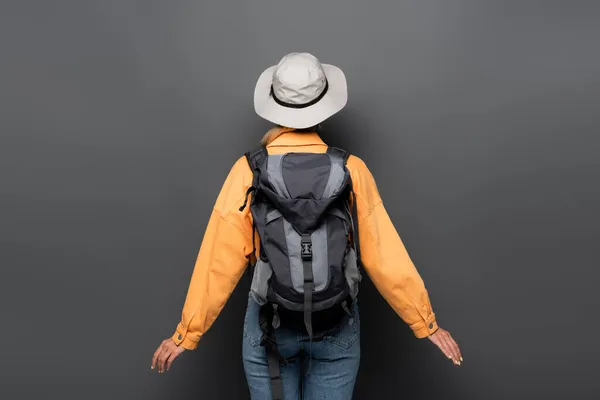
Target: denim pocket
348, 331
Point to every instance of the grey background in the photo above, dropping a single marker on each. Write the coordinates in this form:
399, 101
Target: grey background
120, 119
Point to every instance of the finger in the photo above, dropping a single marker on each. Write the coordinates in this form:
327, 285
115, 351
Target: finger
162, 358
441, 343
447, 341
155, 356
455, 347
171, 358
168, 356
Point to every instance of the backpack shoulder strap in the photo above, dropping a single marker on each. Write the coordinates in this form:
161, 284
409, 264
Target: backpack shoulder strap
336, 151
255, 158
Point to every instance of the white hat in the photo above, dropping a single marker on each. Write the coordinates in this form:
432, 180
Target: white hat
300, 92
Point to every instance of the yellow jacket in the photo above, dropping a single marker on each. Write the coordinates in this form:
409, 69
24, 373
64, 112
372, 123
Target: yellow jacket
227, 246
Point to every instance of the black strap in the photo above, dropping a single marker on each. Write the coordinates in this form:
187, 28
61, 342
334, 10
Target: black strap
355, 226
343, 154
309, 284
255, 159
275, 375
304, 105
250, 190
265, 317
354, 213
253, 258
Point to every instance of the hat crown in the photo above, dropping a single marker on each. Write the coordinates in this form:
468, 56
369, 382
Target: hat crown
299, 78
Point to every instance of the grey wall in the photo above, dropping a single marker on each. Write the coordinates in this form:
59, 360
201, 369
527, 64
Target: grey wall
120, 119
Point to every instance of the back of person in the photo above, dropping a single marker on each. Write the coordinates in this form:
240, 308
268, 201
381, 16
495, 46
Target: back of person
307, 266
305, 280
306, 218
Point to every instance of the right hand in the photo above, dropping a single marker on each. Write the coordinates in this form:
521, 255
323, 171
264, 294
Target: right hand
446, 343
164, 356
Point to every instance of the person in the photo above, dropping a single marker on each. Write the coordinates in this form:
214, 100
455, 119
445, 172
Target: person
297, 95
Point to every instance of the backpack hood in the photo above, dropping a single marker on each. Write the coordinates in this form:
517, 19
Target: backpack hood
303, 186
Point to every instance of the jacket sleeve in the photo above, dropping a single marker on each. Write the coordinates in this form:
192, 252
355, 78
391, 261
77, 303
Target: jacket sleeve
385, 258
221, 261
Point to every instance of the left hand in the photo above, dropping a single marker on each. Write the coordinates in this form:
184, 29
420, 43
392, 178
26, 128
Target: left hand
164, 356
442, 339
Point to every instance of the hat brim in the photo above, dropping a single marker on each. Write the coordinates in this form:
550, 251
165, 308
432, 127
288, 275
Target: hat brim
300, 118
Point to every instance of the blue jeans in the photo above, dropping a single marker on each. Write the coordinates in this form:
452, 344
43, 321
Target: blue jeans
330, 373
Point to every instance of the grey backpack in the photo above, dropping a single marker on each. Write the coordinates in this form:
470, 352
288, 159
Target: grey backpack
308, 259
307, 271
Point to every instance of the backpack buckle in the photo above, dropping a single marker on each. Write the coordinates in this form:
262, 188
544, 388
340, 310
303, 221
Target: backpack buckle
306, 247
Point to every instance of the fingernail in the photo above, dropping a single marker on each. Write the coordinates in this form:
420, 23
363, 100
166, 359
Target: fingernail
461, 359
151, 367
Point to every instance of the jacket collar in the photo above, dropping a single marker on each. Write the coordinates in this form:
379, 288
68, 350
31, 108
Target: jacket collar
297, 139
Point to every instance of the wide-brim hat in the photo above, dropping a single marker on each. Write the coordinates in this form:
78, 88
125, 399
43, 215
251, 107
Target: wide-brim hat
300, 92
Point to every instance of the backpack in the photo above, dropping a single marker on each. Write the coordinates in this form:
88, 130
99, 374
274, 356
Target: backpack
309, 256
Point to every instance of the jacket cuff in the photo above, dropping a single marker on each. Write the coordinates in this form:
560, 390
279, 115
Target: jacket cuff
425, 328
185, 340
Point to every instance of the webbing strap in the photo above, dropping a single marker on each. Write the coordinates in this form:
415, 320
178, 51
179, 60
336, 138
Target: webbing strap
355, 226
273, 356
336, 151
308, 289
255, 158
253, 258
309, 284
343, 154
275, 374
